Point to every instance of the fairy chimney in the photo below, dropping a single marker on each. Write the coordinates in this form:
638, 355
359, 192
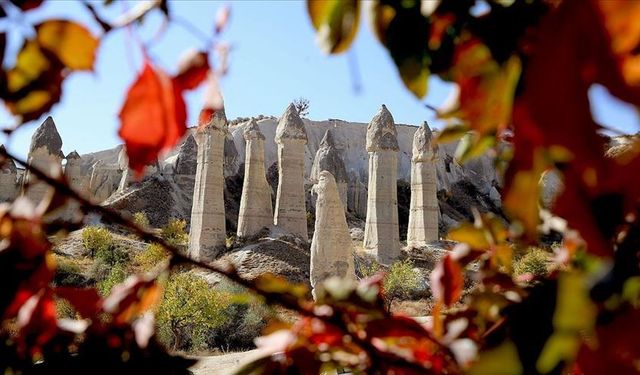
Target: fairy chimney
331, 246
291, 137
256, 211
207, 237
329, 159
45, 153
423, 214
381, 232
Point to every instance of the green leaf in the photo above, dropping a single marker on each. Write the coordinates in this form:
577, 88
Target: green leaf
452, 133
336, 23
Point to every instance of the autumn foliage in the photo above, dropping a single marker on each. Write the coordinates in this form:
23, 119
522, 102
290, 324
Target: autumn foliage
524, 69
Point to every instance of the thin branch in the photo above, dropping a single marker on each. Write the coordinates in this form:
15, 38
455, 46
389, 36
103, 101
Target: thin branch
285, 300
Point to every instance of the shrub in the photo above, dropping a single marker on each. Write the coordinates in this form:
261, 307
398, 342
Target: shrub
174, 232
116, 275
153, 255
189, 311
141, 219
96, 239
244, 320
400, 281
534, 262
68, 272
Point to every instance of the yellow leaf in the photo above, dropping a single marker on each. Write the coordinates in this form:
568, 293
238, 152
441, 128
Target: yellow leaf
71, 42
503, 360
336, 23
415, 76
451, 133
473, 145
476, 238
30, 64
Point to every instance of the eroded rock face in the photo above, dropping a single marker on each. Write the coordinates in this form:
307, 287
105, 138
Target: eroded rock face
256, 211
8, 180
207, 237
328, 159
186, 162
46, 154
331, 246
424, 210
104, 181
381, 232
291, 138
74, 174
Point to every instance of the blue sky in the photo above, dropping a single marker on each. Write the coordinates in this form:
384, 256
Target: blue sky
274, 60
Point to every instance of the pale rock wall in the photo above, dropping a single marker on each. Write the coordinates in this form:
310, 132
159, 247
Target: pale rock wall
331, 246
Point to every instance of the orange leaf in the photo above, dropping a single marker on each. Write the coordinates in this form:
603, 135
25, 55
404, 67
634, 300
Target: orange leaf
152, 118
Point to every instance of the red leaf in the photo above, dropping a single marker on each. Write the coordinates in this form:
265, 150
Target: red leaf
131, 298
86, 301
447, 281
152, 118
37, 322
192, 70
27, 4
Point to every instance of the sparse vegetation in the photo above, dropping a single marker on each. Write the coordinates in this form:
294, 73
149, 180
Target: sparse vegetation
141, 219
400, 280
302, 106
96, 239
153, 255
175, 232
534, 262
116, 275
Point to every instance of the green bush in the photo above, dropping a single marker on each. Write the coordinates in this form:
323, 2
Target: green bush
534, 262
245, 318
400, 280
96, 239
153, 255
189, 311
174, 232
141, 219
116, 275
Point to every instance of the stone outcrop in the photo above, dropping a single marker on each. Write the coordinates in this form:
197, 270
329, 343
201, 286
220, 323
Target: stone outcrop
381, 232
256, 210
328, 159
45, 153
423, 209
104, 181
8, 180
331, 246
291, 138
128, 176
74, 174
207, 237
357, 194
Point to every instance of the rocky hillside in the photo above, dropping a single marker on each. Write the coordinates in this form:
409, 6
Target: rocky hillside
167, 191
